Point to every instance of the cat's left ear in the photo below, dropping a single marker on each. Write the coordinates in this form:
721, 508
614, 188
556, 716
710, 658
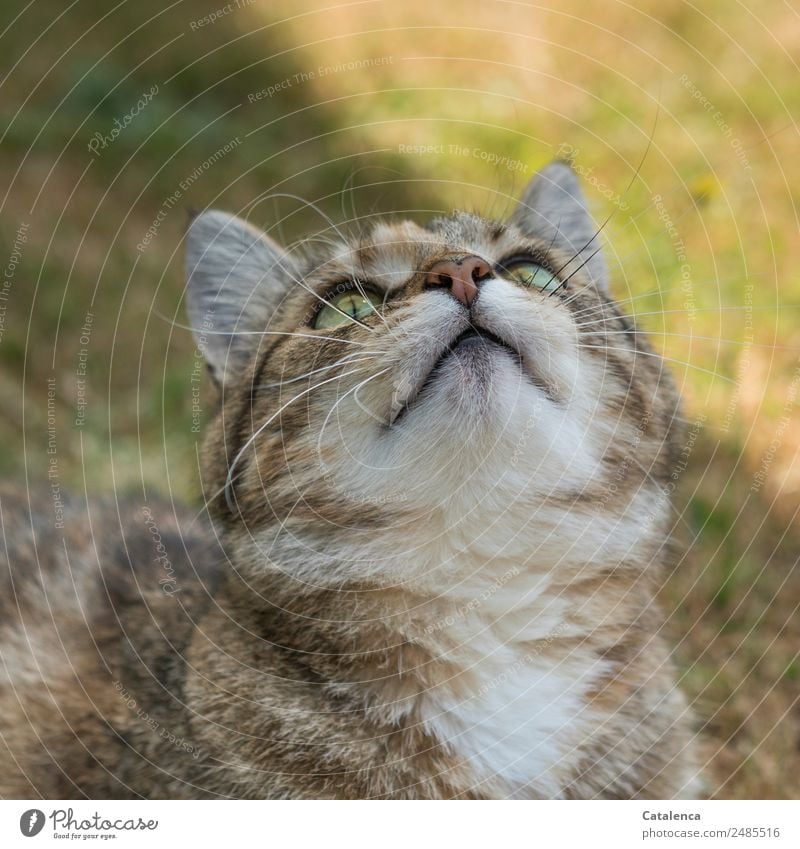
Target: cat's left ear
554, 209
236, 278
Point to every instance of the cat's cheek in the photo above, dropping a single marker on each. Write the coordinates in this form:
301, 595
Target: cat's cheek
539, 329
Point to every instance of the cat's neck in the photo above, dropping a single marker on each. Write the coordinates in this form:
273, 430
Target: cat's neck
497, 668
490, 649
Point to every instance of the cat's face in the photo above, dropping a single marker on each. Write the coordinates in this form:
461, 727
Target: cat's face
466, 371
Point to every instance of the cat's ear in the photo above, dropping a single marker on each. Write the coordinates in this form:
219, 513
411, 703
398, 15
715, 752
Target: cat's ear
553, 208
236, 279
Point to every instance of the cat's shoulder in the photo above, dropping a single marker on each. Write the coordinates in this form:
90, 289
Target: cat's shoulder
103, 553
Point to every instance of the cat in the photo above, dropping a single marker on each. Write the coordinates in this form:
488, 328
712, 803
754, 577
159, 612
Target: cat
437, 478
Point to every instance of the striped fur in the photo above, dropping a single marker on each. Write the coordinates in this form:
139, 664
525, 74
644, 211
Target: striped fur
452, 601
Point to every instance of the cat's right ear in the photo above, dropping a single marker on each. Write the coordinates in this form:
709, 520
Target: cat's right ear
236, 277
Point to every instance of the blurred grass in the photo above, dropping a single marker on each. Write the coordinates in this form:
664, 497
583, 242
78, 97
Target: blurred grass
618, 85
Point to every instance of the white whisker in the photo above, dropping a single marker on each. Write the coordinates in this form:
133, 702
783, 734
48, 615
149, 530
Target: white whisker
355, 357
691, 336
654, 293
258, 332
230, 477
636, 352
636, 316
310, 204
339, 401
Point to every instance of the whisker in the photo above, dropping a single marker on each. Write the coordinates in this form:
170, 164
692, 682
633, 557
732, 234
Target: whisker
327, 241
700, 309
289, 272
699, 338
230, 476
353, 389
566, 280
328, 303
661, 234
361, 406
637, 352
348, 189
309, 204
372, 306
616, 209
363, 357
655, 293
256, 332
358, 286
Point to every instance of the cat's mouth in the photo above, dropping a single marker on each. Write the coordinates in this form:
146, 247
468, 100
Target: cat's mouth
473, 346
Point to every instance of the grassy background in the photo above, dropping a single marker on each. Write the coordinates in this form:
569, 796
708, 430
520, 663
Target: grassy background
702, 98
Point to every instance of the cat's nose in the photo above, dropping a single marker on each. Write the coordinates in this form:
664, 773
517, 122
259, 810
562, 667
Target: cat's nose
461, 276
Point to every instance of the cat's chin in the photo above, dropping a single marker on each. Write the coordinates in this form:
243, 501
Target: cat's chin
479, 383
476, 375
471, 374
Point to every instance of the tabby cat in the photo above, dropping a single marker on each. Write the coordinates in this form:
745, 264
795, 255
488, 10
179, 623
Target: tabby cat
437, 485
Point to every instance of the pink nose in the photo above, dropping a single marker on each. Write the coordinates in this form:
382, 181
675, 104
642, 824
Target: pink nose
461, 276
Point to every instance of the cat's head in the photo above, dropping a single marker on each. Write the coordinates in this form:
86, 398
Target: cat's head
470, 373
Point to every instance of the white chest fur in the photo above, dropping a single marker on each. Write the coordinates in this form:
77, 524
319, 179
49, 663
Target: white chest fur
518, 722
514, 707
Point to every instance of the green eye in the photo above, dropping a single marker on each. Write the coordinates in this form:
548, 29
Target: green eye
348, 305
534, 275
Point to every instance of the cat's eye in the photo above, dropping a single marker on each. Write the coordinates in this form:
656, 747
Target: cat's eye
533, 275
353, 304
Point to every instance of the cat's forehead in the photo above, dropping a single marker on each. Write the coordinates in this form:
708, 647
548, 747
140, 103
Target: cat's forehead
391, 252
